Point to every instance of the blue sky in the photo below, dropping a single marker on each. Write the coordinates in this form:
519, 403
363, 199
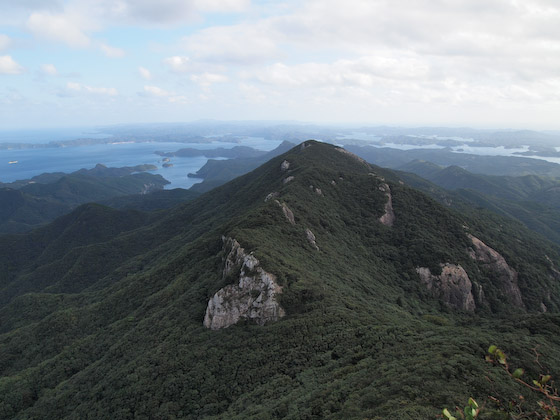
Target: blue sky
489, 63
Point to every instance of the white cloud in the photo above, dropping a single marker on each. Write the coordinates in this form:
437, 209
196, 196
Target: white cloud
178, 64
31, 4
420, 51
222, 5
208, 79
74, 21
241, 44
364, 72
390, 55
62, 28
474, 29
9, 66
252, 93
169, 11
5, 42
112, 52
158, 92
144, 11
145, 73
49, 69
78, 87
150, 12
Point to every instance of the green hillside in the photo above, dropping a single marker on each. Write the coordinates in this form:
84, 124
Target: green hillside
478, 164
27, 204
530, 199
218, 172
332, 269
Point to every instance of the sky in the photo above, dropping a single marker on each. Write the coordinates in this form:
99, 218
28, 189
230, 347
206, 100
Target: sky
479, 63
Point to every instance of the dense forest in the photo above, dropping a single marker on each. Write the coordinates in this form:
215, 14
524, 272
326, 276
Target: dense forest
390, 299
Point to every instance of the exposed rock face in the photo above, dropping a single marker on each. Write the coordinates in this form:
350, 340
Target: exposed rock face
555, 273
317, 190
287, 212
352, 155
148, 188
505, 275
311, 238
252, 297
389, 217
453, 286
284, 166
288, 179
270, 196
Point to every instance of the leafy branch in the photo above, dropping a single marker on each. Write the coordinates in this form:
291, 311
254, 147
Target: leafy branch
544, 385
548, 406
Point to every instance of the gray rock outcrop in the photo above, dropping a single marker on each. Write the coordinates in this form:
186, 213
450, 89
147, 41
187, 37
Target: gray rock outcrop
284, 166
287, 212
288, 179
453, 286
388, 217
352, 155
311, 238
506, 276
253, 296
270, 196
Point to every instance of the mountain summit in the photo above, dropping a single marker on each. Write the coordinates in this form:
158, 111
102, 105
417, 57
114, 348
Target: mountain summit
316, 286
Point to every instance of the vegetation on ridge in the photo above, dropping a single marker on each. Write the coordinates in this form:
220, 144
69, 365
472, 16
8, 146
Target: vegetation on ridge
113, 319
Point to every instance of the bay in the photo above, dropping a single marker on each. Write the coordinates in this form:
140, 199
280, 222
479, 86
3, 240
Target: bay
32, 162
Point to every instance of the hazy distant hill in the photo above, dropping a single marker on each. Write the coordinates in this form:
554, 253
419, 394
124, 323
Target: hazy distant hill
31, 203
533, 200
218, 172
478, 164
234, 152
315, 286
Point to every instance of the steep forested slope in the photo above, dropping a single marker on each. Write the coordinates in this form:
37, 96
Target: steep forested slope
530, 199
30, 203
385, 302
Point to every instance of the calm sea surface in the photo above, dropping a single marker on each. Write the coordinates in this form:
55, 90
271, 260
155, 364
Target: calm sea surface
33, 162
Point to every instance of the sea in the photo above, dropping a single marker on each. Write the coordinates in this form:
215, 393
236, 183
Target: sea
32, 162
19, 164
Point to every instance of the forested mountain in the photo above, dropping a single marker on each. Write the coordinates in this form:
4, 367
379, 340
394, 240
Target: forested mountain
531, 199
315, 286
530, 194
30, 203
218, 172
478, 164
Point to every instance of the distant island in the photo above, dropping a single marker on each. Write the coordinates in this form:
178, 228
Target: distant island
207, 132
235, 152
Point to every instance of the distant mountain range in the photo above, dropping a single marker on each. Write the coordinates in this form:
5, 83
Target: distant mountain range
30, 203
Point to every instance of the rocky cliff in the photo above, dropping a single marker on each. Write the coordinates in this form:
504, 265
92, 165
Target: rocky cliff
388, 217
505, 276
252, 296
453, 286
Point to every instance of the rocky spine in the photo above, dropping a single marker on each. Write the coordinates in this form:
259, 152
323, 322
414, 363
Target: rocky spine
251, 297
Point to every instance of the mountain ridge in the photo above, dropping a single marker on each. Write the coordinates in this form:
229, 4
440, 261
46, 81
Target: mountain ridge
362, 335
